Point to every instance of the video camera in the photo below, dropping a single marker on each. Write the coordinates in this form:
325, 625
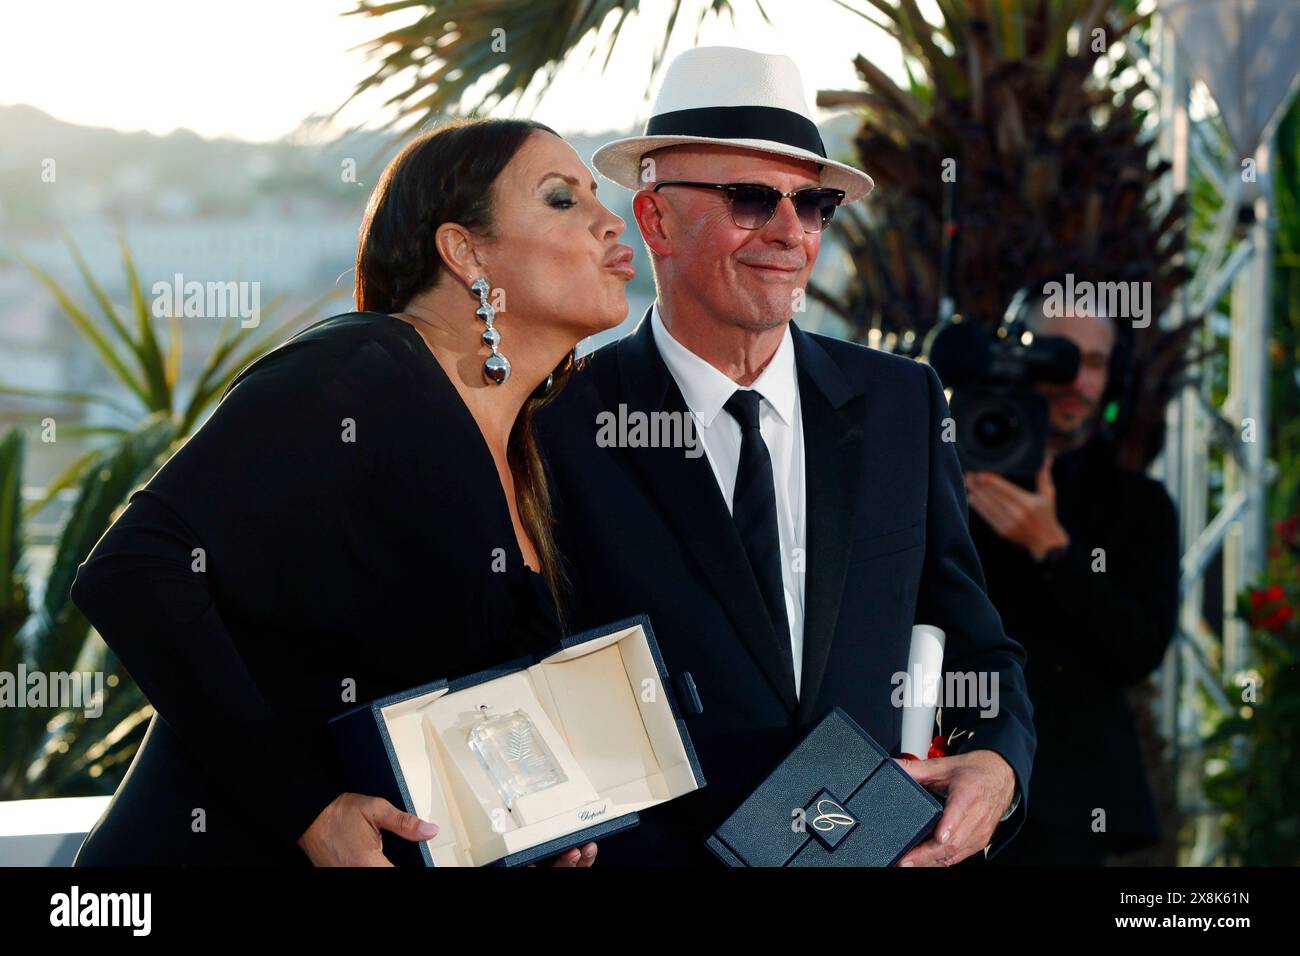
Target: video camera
1001, 421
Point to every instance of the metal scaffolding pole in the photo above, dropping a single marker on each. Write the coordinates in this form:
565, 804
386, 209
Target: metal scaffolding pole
1207, 654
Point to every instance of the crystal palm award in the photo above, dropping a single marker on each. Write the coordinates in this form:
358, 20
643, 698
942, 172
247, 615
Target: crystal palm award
514, 754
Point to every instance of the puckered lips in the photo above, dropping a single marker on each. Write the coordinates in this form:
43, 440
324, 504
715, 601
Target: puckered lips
619, 261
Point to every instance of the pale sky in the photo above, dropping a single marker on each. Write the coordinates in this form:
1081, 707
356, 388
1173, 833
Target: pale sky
253, 69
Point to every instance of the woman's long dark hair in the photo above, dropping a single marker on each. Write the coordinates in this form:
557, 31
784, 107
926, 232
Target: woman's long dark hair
447, 175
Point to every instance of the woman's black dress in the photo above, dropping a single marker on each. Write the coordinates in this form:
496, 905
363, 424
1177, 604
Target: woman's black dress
335, 532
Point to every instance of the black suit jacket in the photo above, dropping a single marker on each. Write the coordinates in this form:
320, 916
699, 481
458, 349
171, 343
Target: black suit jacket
887, 545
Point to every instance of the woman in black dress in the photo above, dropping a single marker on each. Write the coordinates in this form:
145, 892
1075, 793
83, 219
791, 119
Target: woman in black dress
365, 510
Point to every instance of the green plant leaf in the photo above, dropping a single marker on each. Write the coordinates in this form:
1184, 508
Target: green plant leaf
70, 476
11, 522
97, 291
62, 395
103, 487
86, 326
146, 349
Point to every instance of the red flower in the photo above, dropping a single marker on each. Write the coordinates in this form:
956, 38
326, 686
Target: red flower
1269, 595
1275, 620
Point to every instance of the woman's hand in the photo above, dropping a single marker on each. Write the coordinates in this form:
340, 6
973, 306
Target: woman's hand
349, 832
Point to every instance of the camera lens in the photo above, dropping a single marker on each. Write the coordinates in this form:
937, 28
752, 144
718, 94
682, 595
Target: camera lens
1000, 429
996, 429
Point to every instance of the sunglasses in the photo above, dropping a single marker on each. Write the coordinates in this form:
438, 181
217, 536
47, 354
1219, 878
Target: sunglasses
753, 205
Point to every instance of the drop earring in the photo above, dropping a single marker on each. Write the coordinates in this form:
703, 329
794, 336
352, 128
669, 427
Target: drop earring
546, 387
497, 367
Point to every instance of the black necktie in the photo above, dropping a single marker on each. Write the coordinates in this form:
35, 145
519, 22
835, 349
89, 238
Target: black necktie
753, 508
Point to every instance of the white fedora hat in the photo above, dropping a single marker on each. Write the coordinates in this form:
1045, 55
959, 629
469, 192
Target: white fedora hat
731, 97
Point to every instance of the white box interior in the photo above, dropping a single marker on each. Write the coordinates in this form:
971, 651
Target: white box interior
605, 718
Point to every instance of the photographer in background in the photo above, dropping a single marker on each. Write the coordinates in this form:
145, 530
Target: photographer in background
1083, 567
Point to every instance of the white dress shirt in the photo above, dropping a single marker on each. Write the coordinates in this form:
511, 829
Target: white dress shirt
706, 390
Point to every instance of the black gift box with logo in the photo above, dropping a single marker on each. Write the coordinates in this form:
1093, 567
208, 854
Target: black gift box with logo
838, 799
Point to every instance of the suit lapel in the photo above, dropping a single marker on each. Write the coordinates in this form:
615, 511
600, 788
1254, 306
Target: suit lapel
832, 412
687, 492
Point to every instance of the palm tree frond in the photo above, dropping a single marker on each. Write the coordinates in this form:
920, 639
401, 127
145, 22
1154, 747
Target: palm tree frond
454, 45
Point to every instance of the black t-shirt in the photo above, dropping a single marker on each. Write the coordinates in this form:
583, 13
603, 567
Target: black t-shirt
336, 531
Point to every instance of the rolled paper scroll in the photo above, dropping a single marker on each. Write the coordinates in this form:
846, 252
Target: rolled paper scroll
924, 684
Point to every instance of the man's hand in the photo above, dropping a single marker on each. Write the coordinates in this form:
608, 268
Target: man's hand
1026, 518
979, 786
578, 856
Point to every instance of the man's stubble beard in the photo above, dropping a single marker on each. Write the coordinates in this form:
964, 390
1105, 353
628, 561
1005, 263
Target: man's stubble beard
761, 320
1064, 441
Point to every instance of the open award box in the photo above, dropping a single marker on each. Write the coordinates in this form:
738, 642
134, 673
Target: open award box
526, 760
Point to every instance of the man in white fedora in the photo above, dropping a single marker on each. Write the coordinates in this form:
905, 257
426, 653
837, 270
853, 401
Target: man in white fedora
784, 568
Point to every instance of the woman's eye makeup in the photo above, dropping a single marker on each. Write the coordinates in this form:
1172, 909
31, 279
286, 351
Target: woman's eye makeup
560, 198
